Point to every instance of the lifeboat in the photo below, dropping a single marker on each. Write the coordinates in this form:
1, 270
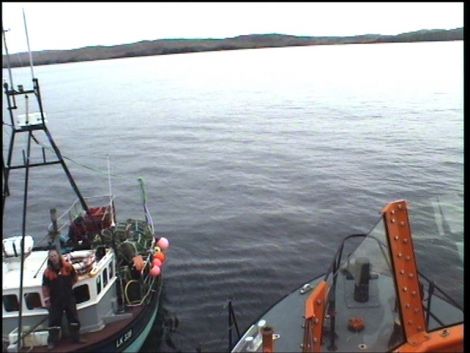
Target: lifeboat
372, 300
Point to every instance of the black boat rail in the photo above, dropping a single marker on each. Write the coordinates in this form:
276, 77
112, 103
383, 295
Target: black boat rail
232, 322
76, 209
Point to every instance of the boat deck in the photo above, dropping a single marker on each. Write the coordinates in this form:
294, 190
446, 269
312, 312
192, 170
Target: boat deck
112, 331
286, 317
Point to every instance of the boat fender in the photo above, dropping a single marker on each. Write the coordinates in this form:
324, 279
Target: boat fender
82, 261
82, 268
79, 254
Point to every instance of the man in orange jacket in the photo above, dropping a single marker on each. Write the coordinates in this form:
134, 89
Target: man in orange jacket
57, 282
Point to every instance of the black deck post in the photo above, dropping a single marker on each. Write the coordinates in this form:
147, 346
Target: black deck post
56, 149
23, 232
430, 294
229, 325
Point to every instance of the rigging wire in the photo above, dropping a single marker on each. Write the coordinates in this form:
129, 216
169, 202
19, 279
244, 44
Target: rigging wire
107, 174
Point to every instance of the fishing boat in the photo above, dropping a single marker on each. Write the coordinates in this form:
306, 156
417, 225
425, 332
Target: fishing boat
119, 262
372, 300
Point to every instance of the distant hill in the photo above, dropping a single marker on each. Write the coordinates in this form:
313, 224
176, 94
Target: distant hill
175, 46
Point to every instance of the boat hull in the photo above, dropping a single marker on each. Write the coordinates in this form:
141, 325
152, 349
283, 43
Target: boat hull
286, 317
131, 338
127, 335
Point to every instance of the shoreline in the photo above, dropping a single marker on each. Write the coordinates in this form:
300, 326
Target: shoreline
184, 46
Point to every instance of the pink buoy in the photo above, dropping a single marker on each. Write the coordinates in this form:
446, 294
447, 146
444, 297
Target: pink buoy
163, 243
155, 271
157, 262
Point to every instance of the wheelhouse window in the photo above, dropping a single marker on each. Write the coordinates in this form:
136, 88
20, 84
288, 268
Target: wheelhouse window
81, 293
111, 272
366, 289
105, 277
32, 300
10, 302
98, 285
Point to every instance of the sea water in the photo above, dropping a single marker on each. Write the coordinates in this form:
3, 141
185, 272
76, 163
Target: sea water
256, 163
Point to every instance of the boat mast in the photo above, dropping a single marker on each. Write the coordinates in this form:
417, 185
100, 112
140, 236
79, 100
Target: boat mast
8, 60
29, 125
29, 48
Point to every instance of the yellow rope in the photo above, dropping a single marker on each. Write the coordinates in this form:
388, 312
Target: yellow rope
125, 292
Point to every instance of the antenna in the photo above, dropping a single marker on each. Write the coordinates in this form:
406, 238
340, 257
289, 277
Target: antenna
27, 41
110, 191
8, 62
109, 175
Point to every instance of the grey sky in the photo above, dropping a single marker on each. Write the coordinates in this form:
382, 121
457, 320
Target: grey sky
74, 25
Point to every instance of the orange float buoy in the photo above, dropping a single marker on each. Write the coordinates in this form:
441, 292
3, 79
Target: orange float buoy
160, 256
138, 262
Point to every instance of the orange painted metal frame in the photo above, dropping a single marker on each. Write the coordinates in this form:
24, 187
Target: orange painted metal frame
398, 231
449, 339
315, 314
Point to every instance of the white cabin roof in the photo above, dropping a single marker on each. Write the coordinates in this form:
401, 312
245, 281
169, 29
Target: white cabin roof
34, 262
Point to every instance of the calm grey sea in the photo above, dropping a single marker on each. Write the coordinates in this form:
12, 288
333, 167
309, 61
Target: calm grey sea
257, 163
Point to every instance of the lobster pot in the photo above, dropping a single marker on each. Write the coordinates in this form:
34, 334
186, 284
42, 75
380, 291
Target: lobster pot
140, 234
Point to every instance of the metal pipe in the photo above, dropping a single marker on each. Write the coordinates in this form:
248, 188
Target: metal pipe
448, 297
111, 206
67, 172
26, 98
10, 150
54, 234
40, 267
6, 189
8, 63
229, 326
428, 306
29, 48
235, 322
267, 333
23, 231
56, 149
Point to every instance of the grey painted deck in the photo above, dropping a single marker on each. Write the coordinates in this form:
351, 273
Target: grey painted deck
286, 318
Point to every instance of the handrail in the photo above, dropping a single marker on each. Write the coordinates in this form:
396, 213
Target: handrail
232, 321
447, 296
68, 211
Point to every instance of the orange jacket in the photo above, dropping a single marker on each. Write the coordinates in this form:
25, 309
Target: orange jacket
66, 268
